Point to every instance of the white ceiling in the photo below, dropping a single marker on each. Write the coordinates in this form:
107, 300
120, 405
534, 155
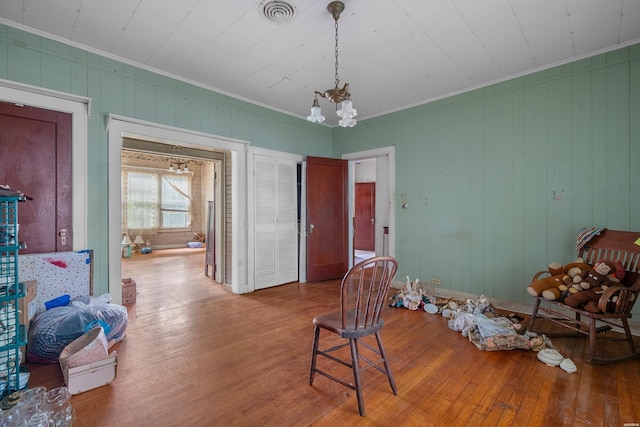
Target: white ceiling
394, 53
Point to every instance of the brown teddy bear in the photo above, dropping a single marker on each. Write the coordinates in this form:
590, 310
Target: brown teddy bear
570, 285
594, 282
549, 287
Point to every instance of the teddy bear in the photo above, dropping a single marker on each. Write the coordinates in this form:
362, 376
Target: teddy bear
549, 287
570, 285
594, 282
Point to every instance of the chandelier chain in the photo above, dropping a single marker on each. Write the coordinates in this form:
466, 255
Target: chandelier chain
337, 77
338, 95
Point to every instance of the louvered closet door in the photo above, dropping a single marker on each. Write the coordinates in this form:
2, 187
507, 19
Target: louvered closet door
276, 222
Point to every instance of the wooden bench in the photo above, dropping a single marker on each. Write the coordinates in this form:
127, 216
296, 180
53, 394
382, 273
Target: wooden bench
615, 312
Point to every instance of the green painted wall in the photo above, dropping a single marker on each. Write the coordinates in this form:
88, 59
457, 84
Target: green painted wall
499, 180
117, 88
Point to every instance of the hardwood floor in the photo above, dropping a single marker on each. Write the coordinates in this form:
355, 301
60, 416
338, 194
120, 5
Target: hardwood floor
197, 355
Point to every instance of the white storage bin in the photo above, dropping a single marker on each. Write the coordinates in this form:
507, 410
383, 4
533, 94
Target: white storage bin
93, 375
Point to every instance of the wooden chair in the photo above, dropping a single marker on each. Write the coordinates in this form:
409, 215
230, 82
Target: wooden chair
615, 303
363, 293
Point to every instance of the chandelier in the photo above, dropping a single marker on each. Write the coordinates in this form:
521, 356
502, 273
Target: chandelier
178, 167
337, 95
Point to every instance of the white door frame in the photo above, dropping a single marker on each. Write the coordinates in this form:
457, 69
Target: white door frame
119, 127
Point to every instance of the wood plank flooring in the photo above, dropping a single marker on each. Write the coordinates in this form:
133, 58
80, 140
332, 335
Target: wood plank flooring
198, 355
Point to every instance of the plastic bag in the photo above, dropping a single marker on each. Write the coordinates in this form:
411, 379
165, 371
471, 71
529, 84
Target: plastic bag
51, 331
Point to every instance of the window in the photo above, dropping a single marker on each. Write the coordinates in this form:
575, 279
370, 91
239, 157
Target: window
154, 199
175, 203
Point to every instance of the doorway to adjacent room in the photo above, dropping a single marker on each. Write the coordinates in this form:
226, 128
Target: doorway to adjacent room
166, 195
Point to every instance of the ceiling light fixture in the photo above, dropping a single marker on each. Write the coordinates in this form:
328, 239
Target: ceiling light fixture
337, 95
178, 167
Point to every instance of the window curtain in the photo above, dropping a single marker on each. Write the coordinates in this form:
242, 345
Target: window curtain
139, 198
175, 182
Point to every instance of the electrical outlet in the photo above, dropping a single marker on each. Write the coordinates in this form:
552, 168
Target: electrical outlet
435, 281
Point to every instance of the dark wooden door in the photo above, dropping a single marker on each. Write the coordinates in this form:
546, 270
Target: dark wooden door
35, 158
327, 219
365, 220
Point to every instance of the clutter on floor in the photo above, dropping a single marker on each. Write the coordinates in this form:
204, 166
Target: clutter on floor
479, 321
77, 334
129, 292
38, 407
86, 363
54, 329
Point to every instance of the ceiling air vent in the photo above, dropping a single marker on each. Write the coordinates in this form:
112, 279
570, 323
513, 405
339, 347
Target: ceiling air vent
277, 11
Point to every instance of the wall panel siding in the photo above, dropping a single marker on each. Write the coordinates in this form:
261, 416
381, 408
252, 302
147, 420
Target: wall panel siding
617, 141
55, 73
535, 176
456, 206
598, 176
558, 190
487, 280
581, 149
475, 146
503, 185
634, 146
520, 248
24, 65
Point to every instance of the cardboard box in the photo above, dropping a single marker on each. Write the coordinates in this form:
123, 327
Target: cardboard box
30, 291
27, 309
128, 291
87, 377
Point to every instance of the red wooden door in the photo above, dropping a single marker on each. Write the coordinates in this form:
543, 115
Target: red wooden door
327, 219
35, 158
365, 220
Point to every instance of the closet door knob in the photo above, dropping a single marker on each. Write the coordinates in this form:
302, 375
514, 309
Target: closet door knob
63, 236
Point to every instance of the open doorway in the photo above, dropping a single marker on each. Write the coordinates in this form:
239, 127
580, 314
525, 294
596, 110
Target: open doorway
120, 127
376, 170
167, 194
364, 220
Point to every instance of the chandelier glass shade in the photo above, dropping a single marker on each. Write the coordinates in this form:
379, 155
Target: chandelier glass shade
316, 113
337, 95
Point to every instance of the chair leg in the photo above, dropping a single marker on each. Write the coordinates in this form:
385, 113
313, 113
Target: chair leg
592, 338
314, 354
627, 332
578, 320
387, 368
532, 319
355, 363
